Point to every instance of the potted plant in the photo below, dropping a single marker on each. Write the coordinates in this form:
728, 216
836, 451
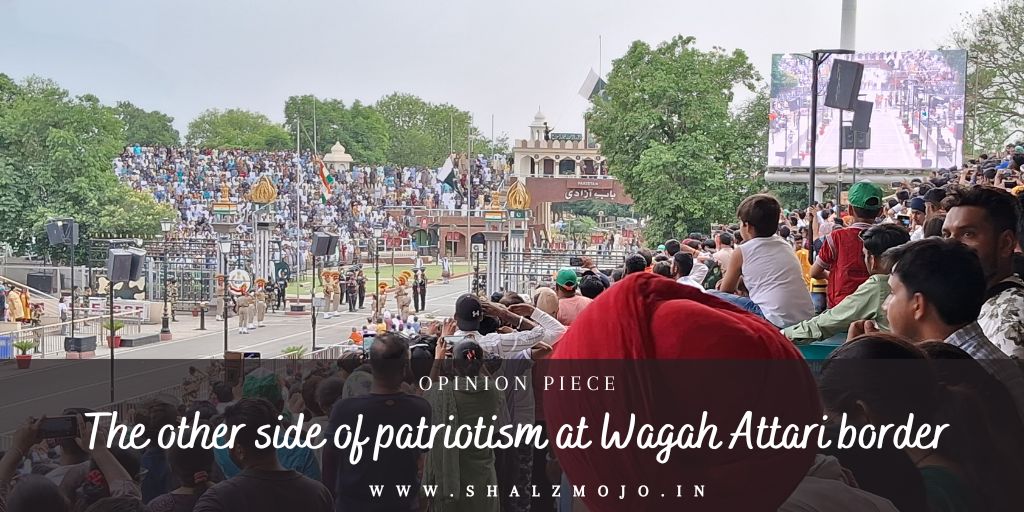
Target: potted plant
23, 357
113, 340
294, 352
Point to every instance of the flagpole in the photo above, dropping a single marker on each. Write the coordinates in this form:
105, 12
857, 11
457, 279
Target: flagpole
451, 133
469, 198
315, 146
298, 204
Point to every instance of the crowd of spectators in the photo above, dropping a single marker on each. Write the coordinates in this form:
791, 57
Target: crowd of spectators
362, 198
925, 274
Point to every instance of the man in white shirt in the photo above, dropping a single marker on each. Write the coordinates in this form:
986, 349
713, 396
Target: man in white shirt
469, 311
682, 265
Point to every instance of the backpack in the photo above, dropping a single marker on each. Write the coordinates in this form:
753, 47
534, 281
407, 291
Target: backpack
714, 274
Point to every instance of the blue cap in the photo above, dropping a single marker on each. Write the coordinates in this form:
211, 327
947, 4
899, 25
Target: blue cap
917, 203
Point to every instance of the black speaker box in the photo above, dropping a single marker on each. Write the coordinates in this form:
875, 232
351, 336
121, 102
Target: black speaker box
42, 282
862, 115
138, 260
119, 265
324, 244
80, 343
54, 233
843, 84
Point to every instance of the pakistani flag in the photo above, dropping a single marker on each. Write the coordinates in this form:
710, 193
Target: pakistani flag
326, 182
593, 86
446, 174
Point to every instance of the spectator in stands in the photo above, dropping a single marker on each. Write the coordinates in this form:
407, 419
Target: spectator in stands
591, 286
938, 288
841, 259
223, 395
191, 467
662, 268
827, 222
469, 311
570, 303
682, 264
866, 302
634, 263
767, 265
917, 218
723, 249
985, 219
386, 404
263, 484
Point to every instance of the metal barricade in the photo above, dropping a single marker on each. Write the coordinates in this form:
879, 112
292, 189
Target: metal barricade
49, 339
526, 270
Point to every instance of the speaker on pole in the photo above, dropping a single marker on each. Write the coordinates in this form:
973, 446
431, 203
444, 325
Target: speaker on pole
54, 233
138, 260
324, 244
843, 84
119, 265
862, 115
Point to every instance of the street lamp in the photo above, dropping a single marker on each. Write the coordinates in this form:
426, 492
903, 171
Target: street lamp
165, 326
377, 233
225, 250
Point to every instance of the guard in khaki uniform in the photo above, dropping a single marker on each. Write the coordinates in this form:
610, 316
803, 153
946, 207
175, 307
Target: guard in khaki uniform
402, 297
327, 277
217, 300
336, 292
261, 301
244, 304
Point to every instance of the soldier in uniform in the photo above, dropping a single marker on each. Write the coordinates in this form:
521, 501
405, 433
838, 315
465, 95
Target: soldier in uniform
361, 283
422, 290
415, 289
270, 292
336, 292
261, 301
402, 297
351, 287
217, 299
327, 278
244, 303
282, 290
172, 297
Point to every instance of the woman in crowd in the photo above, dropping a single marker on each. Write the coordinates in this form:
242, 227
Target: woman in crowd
192, 468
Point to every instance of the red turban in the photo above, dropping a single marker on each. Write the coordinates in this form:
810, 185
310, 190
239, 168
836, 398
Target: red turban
676, 352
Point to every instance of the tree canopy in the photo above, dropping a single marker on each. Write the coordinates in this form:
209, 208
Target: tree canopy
360, 128
148, 128
667, 127
55, 161
236, 128
995, 99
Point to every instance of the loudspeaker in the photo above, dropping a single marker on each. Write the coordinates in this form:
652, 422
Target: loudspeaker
856, 140
80, 343
324, 244
62, 231
54, 233
843, 84
119, 265
862, 115
958, 130
138, 260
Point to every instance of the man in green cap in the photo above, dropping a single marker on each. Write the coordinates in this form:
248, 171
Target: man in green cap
841, 259
570, 303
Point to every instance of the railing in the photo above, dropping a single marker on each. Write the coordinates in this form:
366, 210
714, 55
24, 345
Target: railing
49, 339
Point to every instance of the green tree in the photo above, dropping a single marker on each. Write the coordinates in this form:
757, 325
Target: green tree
579, 228
423, 133
668, 131
148, 128
359, 128
594, 208
55, 154
995, 99
236, 128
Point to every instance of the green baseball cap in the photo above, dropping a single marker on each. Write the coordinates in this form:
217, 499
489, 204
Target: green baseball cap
865, 194
566, 278
661, 247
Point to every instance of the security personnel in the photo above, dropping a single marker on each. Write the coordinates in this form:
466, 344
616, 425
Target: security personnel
361, 283
261, 301
420, 289
326, 278
244, 304
218, 297
172, 297
336, 292
351, 291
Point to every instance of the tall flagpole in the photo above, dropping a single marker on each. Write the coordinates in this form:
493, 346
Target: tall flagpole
469, 198
315, 146
298, 205
451, 133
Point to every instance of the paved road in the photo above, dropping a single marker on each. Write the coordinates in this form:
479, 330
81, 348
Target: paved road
51, 385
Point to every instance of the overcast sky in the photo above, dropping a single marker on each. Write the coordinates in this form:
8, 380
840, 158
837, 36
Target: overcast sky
500, 58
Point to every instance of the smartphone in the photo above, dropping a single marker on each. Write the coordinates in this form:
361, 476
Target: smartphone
904, 221
896, 184
453, 340
1010, 184
58, 427
575, 261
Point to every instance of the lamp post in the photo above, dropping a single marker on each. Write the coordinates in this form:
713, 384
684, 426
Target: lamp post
225, 250
165, 326
377, 232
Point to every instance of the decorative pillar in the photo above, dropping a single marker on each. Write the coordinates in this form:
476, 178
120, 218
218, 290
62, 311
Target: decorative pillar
495, 230
518, 205
263, 194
